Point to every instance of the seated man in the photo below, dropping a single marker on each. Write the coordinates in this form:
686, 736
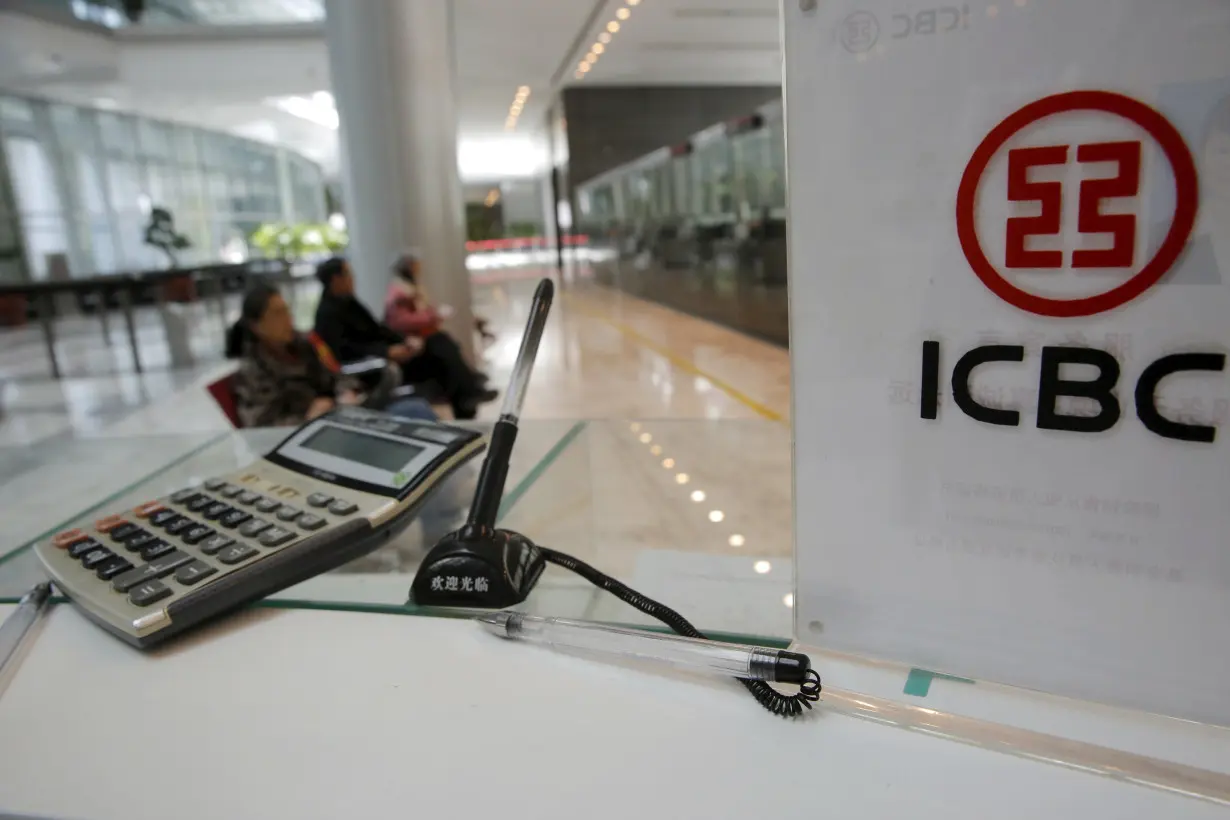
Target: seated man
350, 330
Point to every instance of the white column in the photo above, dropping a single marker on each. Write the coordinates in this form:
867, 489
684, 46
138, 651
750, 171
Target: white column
394, 82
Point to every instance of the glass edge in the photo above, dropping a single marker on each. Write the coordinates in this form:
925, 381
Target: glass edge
13, 553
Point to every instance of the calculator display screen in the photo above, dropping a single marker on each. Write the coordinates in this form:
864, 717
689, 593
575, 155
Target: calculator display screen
373, 451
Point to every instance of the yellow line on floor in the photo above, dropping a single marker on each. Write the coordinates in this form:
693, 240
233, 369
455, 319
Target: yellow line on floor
681, 362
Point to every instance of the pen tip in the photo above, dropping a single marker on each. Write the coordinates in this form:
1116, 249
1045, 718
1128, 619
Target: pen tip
495, 622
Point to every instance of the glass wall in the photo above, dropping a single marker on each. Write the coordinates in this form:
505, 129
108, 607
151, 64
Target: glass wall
80, 184
700, 227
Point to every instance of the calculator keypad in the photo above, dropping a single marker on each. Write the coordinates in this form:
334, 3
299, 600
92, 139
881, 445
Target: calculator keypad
163, 547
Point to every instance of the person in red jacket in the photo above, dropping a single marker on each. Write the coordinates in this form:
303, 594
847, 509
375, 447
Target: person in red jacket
407, 308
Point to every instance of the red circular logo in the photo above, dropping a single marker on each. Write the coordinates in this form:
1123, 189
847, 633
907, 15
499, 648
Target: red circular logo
1186, 199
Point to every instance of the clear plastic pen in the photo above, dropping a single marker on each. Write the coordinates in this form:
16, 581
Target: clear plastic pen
600, 641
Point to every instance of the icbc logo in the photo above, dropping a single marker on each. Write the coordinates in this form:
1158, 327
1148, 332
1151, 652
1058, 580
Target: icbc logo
1067, 203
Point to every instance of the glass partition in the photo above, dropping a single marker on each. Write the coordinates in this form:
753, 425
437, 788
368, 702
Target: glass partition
701, 229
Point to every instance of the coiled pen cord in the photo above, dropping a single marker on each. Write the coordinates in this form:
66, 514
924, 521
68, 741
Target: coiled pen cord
766, 695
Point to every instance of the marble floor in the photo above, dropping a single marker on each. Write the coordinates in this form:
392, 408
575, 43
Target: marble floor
657, 445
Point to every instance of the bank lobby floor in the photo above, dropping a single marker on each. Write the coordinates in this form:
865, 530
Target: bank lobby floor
687, 421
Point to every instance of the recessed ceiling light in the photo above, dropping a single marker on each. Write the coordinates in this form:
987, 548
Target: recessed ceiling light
623, 14
604, 37
646, 438
788, 600
656, 450
698, 496
668, 463
580, 75
524, 91
635, 427
591, 58
736, 540
597, 48
682, 478
583, 68
634, 2
762, 567
612, 27
716, 516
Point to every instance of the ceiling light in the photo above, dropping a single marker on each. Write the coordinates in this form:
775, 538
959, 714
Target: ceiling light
591, 58
580, 75
668, 463
635, 427
788, 600
523, 91
633, 2
656, 450
682, 478
698, 496
646, 438
612, 27
597, 48
716, 516
583, 68
762, 567
623, 14
604, 37
736, 540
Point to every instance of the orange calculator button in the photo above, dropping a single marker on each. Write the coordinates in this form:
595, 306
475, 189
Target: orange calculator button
66, 539
109, 523
147, 509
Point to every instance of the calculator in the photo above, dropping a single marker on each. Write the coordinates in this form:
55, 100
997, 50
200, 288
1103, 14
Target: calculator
334, 490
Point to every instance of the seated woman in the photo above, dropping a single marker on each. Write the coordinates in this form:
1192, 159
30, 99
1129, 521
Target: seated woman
407, 309
281, 380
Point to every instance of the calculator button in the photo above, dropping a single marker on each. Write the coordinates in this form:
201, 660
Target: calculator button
179, 524
197, 534
234, 518
161, 517
123, 531
186, 494
319, 499
254, 527
248, 497
82, 547
214, 543
199, 503
157, 549
342, 507
216, 510
276, 537
66, 539
148, 592
95, 557
139, 540
310, 522
236, 553
215, 483
267, 505
112, 567
230, 491
288, 513
147, 509
159, 568
109, 523
189, 574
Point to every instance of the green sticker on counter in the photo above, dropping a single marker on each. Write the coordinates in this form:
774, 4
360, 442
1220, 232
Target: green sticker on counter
918, 682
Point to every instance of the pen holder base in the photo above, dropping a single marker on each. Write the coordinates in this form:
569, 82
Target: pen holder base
478, 567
